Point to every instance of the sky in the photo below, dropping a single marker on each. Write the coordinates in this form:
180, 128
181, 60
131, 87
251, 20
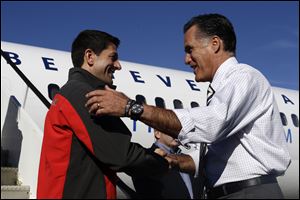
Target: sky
151, 32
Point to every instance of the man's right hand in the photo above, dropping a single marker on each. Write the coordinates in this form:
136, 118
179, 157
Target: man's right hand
181, 162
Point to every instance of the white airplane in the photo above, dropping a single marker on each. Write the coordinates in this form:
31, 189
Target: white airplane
23, 113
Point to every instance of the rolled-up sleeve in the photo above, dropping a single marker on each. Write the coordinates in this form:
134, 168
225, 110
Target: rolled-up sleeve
186, 123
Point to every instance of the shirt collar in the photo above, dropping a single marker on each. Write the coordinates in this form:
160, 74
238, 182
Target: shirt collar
77, 73
225, 67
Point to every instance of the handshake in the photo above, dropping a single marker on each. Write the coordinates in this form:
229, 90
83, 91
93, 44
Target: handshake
180, 162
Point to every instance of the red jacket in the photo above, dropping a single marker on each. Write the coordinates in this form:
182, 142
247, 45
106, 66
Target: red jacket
81, 153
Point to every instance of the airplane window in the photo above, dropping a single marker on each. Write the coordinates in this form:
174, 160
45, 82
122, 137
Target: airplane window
140, 98
194, 104
295, 120
283, 119
177, 104
52, 90
159, 102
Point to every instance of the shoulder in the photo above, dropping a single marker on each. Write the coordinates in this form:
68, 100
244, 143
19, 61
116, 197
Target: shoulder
248, 71
75, 89
243, 73
74, 92
75, 85
246, 78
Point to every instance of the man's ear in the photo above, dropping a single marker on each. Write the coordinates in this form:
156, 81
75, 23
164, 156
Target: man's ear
216, 44
89, 56
157, 134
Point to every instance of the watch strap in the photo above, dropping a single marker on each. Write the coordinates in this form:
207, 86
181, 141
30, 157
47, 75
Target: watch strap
129, 104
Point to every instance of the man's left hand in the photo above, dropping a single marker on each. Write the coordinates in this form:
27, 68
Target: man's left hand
106, 102
182, 162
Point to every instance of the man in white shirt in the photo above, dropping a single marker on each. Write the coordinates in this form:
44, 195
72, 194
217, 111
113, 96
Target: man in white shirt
241, 126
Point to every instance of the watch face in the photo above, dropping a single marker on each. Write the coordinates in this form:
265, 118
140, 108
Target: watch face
136, 109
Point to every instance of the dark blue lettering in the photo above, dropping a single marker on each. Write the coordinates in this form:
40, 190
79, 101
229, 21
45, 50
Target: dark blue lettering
288, 136
192, 85
13, 57
166, 82
286, 99
135, 76
47, 63
134, 125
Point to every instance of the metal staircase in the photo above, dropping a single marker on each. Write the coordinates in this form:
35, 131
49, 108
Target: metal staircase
20, 150
11, 186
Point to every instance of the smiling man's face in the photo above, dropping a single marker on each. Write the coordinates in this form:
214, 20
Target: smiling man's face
106, 63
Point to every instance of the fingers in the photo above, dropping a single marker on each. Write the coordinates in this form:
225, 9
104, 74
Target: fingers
106, 102
92, 100
101, 111
97, 110
160, 152
94, 93
99, 92
181, 162
169, 157
97, 96
94, 107
173, 161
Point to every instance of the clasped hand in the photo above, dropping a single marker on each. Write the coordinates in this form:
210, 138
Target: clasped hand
180, 162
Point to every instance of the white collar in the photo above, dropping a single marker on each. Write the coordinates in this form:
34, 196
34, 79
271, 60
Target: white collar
222, 70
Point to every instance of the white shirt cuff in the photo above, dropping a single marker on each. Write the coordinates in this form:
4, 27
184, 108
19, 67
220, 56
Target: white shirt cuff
186, 123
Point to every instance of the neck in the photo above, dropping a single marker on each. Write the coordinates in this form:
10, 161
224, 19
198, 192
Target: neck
219, 60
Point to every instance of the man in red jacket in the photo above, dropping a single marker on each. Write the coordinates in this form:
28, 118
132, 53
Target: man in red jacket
81, 153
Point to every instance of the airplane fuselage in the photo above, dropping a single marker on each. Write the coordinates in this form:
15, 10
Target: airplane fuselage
48, 70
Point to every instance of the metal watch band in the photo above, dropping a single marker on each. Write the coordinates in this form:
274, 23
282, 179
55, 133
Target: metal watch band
129, 104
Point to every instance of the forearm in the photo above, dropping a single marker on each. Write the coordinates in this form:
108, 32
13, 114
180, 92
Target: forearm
161, 119
113, 103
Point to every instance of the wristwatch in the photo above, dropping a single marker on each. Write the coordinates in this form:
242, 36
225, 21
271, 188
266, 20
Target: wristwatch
136, 111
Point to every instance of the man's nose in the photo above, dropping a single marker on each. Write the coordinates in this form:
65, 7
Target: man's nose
187, 59
117, 65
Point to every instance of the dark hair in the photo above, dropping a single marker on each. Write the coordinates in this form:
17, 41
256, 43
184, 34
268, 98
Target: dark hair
90, 39
214, 24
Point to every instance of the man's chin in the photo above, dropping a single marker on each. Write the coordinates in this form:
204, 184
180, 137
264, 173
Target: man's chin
197, 79
200, 79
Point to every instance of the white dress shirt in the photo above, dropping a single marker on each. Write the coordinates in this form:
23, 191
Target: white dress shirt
241, 125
